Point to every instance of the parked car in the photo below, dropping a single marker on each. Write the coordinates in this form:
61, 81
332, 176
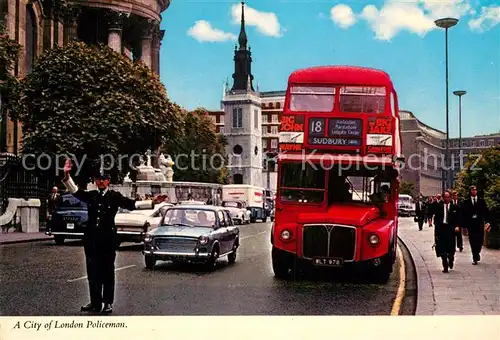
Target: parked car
191, 202
193, 234
132, 226
70, 221
238, 211
406, 206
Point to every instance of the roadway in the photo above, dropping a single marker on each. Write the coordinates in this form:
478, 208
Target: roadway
41, 278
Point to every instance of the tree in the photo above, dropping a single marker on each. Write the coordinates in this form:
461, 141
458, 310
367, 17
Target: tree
202, 155
407, 188
9, 84
91, 101
483, 171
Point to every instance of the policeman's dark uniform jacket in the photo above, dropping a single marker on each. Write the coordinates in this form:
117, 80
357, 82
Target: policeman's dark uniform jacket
475, 215
445, 221
101, 240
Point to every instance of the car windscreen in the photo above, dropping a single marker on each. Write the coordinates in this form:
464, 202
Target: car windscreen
189, 217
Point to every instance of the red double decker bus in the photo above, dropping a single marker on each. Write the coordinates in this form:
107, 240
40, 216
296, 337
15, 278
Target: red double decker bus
338, 172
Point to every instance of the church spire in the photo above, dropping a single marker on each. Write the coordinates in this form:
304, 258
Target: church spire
242, 39
242, 75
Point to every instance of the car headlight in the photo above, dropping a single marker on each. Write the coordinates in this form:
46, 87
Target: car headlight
148, 238
373, 239
286, 234
203, 240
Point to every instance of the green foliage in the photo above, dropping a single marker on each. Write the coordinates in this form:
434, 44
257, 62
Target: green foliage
407, 188
9, 84
203, 150
89, 101
484, 173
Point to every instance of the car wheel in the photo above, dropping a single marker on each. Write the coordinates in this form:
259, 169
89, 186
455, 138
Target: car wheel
231, 258
150, 261
212, 261
59, 240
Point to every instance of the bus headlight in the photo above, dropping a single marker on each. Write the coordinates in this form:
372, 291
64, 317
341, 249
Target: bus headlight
373, 239
286, 235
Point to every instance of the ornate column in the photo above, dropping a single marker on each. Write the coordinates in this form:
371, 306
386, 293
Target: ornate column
147, 28
71, 25
157, 38
115, 30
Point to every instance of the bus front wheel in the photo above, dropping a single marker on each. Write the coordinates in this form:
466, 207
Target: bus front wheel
282, 268
382, 273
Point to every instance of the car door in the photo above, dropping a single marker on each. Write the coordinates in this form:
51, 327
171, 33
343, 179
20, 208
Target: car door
223, 232
232, 231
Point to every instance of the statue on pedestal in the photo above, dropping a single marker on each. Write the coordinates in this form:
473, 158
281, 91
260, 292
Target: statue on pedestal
166, 167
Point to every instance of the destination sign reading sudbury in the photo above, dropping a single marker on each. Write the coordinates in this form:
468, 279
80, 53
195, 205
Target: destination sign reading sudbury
335, 131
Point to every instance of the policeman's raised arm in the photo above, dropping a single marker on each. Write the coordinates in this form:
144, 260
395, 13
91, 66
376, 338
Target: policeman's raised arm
71, 186
131, 204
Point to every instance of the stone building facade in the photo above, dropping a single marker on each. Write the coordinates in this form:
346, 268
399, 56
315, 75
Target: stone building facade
131, 27
423, 148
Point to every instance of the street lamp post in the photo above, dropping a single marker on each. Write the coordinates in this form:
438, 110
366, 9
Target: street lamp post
459, 94
446, 23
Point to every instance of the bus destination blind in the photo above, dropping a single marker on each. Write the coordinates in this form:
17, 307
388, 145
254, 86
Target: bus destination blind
338, 131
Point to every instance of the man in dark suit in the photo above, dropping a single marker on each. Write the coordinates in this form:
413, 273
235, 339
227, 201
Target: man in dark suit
100, 237
458, 234
420, 212
475, 217
54, 201
445, 225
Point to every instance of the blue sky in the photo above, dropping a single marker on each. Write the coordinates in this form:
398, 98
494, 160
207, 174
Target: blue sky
397, 36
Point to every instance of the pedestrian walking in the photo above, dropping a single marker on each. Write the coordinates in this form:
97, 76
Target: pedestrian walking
445, 225
428, 210
458, 234
420, 212
100, 238
475, 218
54, 201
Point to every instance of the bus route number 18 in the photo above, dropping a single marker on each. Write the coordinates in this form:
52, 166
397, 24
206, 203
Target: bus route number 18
317, 126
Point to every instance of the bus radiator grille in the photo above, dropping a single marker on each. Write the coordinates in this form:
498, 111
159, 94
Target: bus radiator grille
327, 240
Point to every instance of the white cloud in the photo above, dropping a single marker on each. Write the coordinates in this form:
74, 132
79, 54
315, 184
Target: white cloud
343, 16
416, 16
266, 22
488, 19
203, 31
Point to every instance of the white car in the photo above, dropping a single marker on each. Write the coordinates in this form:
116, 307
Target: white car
191, 202
238, 211
132, 226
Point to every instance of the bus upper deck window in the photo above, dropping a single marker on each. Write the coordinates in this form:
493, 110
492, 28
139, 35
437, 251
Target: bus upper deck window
312, 99
362, 99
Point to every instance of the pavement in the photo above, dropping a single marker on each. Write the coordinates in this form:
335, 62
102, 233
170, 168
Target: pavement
465, 290
19, 237
41, 278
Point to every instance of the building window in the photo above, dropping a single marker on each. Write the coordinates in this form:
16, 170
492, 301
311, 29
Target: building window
275, 118
264, 144
256, 119
482, 143
474, 143
491, 142
274, 130
274, 143
237, 179
264, 119
237, 117
221, 129
278, 105
30, 39
237, 150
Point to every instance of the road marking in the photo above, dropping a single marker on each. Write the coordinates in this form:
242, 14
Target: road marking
262, 232
84, 277
402, 283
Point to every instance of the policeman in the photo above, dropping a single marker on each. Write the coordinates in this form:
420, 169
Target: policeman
100, 237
